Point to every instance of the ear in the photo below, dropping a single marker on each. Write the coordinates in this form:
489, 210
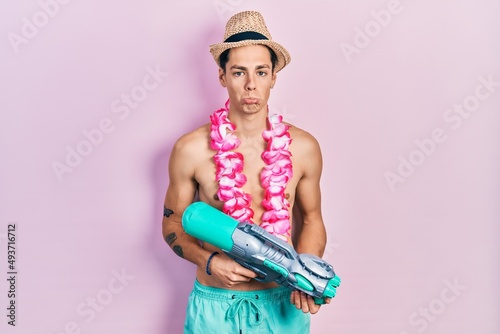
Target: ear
222, 78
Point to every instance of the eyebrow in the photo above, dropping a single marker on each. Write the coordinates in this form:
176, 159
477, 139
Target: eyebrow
243, 68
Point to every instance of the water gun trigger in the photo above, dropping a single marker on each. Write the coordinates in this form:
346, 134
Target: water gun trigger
263, 275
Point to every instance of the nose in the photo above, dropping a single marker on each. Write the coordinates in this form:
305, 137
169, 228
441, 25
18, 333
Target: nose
250, 84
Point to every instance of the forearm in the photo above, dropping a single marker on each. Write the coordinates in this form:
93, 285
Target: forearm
312, 238
184, 245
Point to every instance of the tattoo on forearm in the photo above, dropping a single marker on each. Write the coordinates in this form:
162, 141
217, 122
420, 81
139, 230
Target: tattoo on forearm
171, 238
167, 212
178, 250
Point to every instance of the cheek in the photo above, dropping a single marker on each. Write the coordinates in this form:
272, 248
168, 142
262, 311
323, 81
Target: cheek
230, 81
267, 82
235, 85
233, 92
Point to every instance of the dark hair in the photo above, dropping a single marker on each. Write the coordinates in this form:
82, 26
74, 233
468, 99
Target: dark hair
224, 58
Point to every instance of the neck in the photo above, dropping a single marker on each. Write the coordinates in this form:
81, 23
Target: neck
249, 125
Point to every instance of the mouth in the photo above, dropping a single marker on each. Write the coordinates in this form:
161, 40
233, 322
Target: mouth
250, 100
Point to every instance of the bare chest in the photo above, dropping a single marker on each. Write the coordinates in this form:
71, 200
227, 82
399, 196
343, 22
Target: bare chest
252, 169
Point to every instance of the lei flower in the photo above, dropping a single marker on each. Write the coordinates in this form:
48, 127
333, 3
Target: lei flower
274, 176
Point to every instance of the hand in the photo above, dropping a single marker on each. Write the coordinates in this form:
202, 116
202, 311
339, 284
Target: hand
304, 302
229, 272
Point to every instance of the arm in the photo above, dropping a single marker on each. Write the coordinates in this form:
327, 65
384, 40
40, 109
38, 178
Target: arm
312, 233
180, 193
311, 236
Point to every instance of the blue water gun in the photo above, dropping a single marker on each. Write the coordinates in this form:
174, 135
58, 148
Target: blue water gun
256, 249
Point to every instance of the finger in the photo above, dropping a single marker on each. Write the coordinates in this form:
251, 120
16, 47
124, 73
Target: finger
304, 303
240, 270
247, 273
296, 299
313, 307
292, 298
234, 279
241, 279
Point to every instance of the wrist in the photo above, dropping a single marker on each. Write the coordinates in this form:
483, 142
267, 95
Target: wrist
207, 267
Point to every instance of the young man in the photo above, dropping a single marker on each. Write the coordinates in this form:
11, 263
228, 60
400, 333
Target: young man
257, 169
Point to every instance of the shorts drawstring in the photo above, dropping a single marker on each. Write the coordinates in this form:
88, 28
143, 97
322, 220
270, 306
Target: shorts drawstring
236, 309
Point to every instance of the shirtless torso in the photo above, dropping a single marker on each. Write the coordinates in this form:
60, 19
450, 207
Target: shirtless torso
248, 77
203, 171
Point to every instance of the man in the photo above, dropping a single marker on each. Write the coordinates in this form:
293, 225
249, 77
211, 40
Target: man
257, 169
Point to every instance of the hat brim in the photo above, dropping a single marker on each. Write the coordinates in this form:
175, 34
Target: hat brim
281, 53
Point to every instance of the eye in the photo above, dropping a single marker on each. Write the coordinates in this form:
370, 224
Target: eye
262, 73
237, 74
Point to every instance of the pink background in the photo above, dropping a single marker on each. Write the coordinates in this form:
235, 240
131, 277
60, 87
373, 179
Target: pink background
419, 255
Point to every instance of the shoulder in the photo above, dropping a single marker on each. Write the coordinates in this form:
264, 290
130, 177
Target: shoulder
193, 141
306, 153
191, 146
302, 141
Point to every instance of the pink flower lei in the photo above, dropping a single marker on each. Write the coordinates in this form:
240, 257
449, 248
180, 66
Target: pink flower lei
274, 176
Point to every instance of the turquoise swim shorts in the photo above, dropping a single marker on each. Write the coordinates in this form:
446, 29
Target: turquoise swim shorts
220, 311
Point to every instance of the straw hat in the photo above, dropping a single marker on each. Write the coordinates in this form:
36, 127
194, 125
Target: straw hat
249, 28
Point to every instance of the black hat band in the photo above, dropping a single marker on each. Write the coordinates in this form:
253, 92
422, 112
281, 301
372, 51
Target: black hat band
244, 36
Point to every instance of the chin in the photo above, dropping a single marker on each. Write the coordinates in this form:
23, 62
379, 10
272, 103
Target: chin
252, 108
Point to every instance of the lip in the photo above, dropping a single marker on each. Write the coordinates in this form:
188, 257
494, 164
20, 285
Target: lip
250, 100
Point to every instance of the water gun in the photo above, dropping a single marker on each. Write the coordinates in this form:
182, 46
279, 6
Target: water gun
256, 249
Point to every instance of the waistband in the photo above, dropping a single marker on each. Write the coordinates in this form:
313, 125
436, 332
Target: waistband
214, 293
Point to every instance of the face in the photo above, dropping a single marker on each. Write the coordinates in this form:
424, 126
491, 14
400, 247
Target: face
248, 78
